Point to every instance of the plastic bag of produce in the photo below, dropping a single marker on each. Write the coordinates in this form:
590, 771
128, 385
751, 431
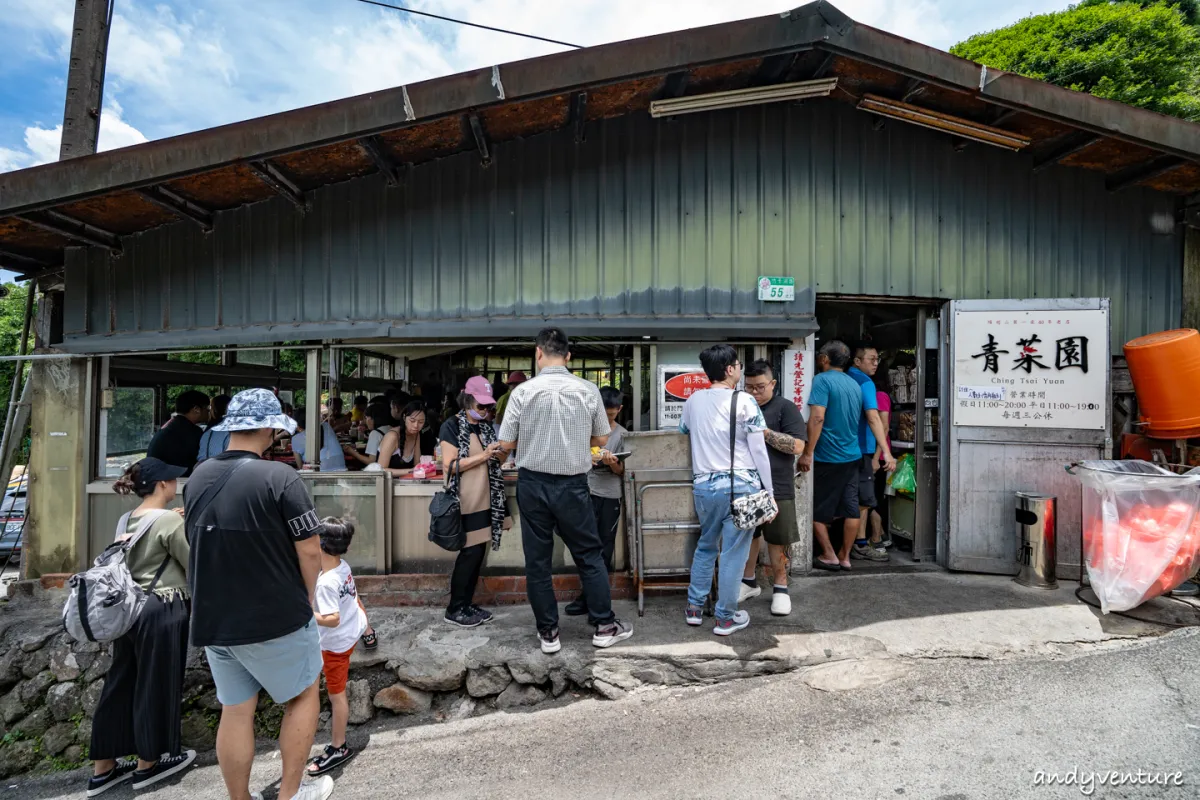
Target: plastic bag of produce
1141, 530
904, 479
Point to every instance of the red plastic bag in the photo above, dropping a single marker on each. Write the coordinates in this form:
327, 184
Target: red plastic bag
1141, 530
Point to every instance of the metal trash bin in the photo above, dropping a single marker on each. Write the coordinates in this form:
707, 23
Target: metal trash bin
1036, 553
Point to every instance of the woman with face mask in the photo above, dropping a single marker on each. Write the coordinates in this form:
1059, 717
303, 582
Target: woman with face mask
479, 484
405, 443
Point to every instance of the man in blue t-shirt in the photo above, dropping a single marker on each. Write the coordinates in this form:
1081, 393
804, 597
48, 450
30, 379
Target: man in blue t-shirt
833, 452
872, 440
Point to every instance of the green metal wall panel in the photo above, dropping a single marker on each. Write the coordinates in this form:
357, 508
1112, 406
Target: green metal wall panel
644, 219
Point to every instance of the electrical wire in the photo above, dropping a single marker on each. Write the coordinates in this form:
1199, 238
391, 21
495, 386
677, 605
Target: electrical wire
470, 24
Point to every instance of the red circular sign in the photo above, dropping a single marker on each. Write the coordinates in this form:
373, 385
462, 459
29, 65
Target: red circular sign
682, 386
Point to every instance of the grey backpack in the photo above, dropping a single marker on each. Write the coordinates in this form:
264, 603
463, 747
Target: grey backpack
105, 601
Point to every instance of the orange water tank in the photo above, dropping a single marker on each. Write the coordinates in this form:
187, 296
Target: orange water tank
1165, 368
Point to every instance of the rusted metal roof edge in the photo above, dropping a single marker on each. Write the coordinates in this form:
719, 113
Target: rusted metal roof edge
1077, 109
817, 24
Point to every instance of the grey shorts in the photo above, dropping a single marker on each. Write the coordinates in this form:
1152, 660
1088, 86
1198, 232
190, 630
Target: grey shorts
284, 667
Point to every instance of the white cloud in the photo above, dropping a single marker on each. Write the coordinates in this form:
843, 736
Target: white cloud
42, 144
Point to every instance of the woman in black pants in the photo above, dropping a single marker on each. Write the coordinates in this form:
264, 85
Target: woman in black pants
139, 708
479, 485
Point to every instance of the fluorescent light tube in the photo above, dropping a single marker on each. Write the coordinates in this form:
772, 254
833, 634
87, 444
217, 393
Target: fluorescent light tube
958, 126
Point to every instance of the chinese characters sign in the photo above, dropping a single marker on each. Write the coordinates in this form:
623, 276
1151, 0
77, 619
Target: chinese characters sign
1031, 369
796, 380
675, 385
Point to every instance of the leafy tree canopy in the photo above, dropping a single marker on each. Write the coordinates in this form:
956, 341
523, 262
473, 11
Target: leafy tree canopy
1141, 54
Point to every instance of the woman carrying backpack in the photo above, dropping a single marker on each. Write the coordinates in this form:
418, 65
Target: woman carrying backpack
139, 708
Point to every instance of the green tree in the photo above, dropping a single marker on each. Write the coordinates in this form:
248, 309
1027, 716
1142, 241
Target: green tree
12, 319
1141, 54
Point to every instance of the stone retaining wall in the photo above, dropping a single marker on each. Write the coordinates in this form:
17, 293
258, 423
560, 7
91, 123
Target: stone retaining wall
50, 684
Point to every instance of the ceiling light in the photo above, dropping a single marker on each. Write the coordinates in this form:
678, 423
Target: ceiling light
755, 95
958, 126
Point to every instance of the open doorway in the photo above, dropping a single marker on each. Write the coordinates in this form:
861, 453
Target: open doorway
905, 335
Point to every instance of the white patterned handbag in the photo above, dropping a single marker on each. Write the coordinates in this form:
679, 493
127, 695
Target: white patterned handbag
753, 510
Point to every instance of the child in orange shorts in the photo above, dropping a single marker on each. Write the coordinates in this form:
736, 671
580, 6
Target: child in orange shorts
342, 620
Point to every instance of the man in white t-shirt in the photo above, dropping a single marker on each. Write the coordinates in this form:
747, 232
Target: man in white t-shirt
342, 619
706, 416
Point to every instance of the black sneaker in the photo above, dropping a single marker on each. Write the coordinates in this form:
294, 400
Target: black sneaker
576, 608
465, 618
482, 612
550, 642
165, 768
610, 634
99, 784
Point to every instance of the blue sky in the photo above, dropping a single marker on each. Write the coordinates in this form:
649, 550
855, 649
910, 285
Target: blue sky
180, 65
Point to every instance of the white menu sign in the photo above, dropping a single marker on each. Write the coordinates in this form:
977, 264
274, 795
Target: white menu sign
1031, 369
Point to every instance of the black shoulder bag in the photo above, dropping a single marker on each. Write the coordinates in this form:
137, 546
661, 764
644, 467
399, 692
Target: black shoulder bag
209, 495
754, 509
445, 516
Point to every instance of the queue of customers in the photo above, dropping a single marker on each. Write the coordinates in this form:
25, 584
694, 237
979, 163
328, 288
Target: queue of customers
247, 571
259, 581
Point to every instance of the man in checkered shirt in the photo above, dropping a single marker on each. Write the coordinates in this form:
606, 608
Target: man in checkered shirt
552, 422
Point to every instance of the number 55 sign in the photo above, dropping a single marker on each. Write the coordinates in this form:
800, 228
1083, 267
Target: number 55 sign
776, 290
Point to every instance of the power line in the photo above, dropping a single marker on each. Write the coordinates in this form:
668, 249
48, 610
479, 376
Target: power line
464, 22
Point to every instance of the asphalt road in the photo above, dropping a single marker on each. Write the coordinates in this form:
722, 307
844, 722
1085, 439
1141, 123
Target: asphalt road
942, 730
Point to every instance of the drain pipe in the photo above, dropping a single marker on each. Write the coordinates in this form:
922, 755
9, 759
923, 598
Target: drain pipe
13, 399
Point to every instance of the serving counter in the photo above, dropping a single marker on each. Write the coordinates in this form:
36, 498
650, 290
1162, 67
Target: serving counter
391, 516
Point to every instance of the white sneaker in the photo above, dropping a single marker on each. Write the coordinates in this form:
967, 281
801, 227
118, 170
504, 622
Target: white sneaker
746, 592
739, 620
315, 788
781, 604
550, 641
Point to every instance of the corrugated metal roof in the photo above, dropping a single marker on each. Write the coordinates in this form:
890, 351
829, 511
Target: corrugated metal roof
644, 225
314, 147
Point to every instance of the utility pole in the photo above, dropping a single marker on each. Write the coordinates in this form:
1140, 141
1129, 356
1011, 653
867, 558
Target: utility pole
53, 401
85, 78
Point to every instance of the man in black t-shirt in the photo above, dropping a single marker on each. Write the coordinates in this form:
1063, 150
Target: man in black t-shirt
785, 436
255, 556
178, 442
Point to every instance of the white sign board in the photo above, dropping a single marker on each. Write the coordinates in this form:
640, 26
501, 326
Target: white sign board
798, 372
676, 383
1031, 369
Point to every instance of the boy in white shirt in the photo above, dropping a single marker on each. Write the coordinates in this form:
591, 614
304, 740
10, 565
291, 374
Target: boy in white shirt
342, 619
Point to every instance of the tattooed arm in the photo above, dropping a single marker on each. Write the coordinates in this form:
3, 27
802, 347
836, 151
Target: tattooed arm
792, 445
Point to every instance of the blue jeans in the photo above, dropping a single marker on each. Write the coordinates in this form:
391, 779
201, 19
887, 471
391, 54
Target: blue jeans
718, 534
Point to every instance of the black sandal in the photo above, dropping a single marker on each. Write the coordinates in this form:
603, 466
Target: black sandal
331, 759
834, 567
370, 640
